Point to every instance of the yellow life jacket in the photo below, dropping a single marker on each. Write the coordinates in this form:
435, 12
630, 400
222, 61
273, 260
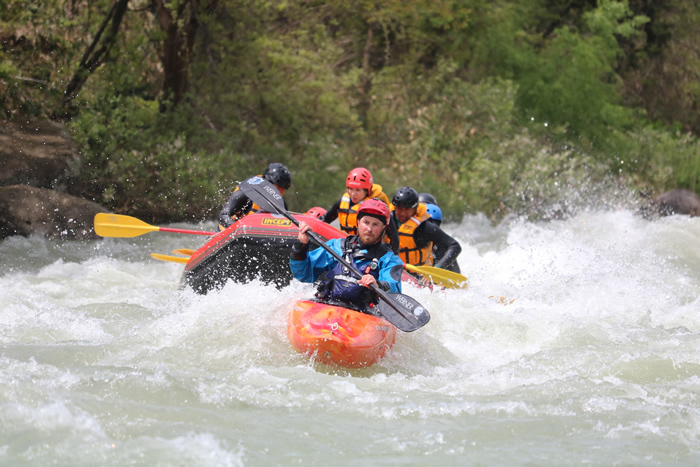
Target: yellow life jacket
347, 214
408, 250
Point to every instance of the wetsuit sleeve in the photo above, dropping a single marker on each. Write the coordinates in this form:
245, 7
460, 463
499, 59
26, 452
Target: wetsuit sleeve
429, 232
393, 233
390, 273
299, 251
315, 263
237, 204
332, 213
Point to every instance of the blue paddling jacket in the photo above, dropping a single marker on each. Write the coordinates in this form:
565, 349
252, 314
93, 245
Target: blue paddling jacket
339, 285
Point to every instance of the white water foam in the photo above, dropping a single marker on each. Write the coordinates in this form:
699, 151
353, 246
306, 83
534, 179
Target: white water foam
577, 341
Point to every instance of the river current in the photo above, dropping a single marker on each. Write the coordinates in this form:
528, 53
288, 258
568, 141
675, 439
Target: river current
577, 342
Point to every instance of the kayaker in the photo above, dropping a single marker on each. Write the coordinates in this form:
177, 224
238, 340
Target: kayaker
366, 251
418, 235
439, 249
360, 187
239, 205
435, 212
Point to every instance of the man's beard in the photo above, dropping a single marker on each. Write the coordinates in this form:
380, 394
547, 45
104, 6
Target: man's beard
368, 243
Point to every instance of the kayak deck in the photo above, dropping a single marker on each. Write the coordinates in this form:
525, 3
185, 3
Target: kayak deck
337, 335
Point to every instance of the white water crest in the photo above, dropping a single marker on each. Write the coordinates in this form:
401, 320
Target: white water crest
578, 341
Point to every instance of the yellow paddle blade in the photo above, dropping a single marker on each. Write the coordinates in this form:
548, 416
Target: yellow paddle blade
184, 252
441, 277
173, 259
117, 225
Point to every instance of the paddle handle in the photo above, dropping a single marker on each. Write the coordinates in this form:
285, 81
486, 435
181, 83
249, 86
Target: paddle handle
194, 232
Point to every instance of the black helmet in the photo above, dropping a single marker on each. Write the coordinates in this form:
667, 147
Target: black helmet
279, 175
406, 197
427, 198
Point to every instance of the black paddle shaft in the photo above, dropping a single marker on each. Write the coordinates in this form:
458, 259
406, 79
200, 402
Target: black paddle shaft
402, 311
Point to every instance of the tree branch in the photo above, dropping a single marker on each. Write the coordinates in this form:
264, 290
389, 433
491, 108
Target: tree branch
93, 58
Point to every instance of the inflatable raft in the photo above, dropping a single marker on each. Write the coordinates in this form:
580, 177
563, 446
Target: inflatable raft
339, 336
255, 247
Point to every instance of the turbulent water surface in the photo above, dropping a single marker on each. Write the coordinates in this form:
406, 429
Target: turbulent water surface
578, 341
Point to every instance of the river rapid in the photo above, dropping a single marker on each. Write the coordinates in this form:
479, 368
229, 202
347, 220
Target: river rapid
577, 342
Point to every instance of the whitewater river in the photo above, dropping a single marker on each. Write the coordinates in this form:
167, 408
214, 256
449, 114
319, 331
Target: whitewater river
578, 342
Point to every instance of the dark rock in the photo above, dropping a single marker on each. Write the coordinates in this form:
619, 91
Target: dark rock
678, 201
26, 210
40, 154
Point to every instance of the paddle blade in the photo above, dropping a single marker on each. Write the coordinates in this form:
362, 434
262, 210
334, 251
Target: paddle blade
265, 194
443, 277
117, 225
172, 259
403, 312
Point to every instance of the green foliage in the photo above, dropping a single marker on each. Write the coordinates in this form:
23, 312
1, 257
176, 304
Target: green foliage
42, 42
9, 86
443, 144
654, 159
465, 146
430, 94
572, 81
662, 73
138, 160
498, 40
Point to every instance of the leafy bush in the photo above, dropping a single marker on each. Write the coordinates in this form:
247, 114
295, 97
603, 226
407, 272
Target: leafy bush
140, 161
572, 81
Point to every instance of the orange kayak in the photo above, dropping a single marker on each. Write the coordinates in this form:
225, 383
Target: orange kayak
337, 335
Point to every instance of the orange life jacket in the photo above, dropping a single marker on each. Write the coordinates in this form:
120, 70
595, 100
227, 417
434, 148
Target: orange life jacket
347, 214
408, 250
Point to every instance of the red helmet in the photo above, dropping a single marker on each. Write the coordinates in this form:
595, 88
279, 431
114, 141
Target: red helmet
316, 212
360, 178
375, 208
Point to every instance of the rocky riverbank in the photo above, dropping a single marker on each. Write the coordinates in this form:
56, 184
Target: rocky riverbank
39, 179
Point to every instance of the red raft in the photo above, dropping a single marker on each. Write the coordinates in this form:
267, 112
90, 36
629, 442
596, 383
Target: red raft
339, 336
255, 247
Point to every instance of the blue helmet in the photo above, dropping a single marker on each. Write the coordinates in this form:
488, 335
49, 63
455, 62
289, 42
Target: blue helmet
435, 212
